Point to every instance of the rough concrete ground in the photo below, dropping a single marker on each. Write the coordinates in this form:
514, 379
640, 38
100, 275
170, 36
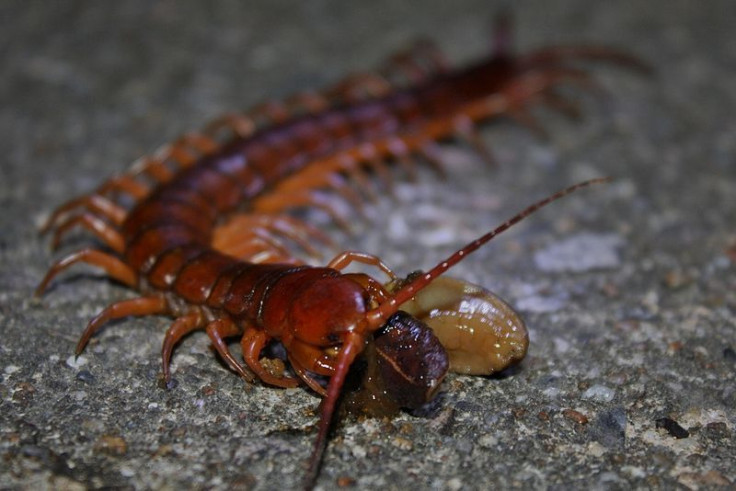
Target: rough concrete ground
629, 290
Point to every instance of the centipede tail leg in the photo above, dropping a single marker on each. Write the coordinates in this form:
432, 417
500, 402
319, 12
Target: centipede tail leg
179, 328
113, 266
222, 328
252, 343
137, 307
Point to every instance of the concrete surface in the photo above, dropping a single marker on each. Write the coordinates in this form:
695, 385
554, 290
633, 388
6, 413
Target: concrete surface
629, 290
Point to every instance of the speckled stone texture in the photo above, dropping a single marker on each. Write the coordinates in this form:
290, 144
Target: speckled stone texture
629, 290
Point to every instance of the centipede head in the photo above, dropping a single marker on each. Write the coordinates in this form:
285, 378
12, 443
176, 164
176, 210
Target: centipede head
323, 313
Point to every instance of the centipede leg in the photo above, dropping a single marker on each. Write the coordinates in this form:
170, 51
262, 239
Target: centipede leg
113, 266
239, 124
99, 227
298, 231
154, 168
186, 150
238, 230
178, 329
360, 87
306, 377
99, 205
252, 343
400, 151
222, 328
375, 289
524, 118
376, 164
345, 258
418, 63
562, 104
272, 112
125, 184
256, 249
432, 153
275, 203
135, 307
311, 101
465, 129
557, 54
357, 172
428, 50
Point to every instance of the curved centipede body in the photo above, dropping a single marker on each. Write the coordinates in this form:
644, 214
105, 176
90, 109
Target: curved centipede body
239, 279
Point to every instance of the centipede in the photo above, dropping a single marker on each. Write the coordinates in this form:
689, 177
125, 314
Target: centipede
199, 227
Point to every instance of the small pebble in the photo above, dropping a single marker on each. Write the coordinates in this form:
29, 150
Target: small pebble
673, 428
112, 445
85, 376
575, 416
729, 354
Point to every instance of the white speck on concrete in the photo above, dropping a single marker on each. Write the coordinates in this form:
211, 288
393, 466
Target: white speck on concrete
552, 392
561, 345
76, 361
455, 484
599, 393
582, 252
488, 441
541, 304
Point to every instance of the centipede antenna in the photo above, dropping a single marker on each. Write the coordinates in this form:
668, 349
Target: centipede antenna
352, 346
377, 316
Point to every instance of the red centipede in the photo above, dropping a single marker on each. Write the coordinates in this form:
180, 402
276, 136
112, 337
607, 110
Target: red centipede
159, 221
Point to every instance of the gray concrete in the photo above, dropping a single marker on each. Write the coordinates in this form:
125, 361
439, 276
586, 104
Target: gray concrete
629, 289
